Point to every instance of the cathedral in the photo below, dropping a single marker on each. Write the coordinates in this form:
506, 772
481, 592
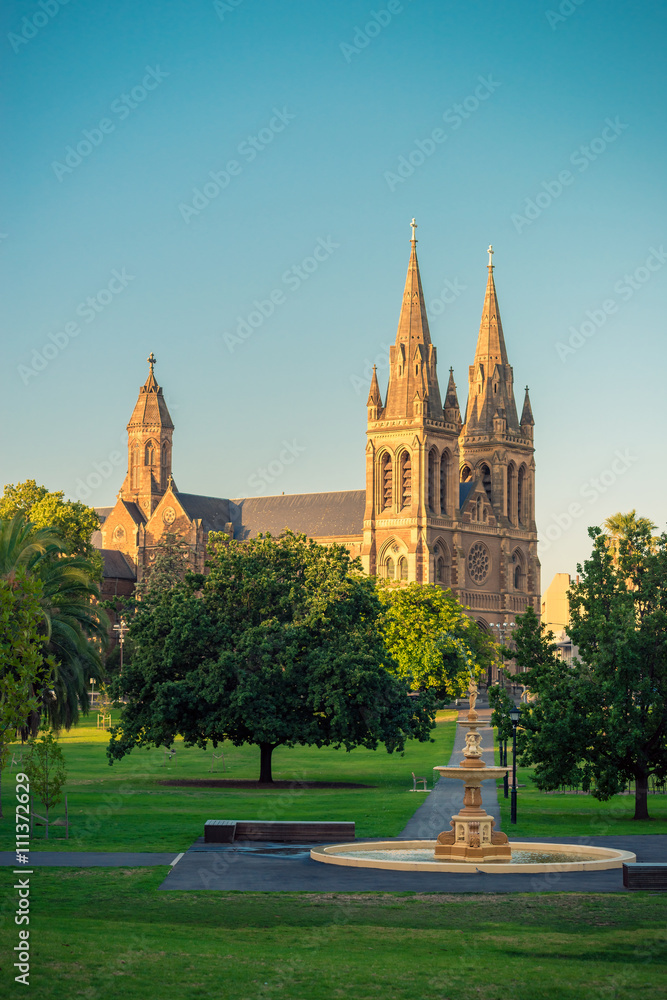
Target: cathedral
448, 501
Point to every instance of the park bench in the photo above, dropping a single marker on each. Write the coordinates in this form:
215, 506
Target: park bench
645, 875
416, 781
226, 831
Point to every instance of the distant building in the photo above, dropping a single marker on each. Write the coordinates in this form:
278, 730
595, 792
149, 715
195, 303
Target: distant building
556, 614
447, 501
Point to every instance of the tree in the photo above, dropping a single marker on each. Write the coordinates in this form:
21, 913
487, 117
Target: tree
618, 526
278, 645
76, 628
604, 720
73, 521
24, 670
434, 643
169, 567
46, 771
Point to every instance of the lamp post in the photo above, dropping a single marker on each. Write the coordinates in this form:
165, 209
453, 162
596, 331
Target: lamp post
92, 691
121, 629
515, 715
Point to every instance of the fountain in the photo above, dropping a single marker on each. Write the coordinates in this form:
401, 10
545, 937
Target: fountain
472, 844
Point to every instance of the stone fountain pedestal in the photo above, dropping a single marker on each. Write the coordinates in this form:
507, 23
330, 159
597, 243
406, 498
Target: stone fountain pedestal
472, 837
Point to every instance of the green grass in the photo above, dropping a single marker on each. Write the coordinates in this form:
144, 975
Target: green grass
103, 933
124, 807
541, 814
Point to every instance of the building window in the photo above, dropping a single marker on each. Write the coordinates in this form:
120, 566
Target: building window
164, 466
386, 481
432, 459
389, 568
478, 562
466, 474
444, 482
511, 493
521, 495
149, 455
134, 468
518, 570
441, 558
402, 569
406, 479
486, 479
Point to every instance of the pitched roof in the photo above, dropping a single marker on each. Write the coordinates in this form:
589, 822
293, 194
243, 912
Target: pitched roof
116, 565
102, 513
465, 489
318, 515
212, 511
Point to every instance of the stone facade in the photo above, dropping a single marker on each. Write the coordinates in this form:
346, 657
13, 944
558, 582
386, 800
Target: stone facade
448, 501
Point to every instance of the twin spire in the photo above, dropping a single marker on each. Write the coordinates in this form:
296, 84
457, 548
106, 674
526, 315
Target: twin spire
413, 384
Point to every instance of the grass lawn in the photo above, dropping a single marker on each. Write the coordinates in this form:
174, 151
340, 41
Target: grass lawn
124, 807
575, 815
101, 933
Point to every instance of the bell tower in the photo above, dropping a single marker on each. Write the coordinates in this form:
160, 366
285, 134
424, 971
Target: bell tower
149, 442
411, 453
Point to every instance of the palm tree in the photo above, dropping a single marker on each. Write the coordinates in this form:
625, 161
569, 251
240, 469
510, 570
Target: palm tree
623, 527
76, 626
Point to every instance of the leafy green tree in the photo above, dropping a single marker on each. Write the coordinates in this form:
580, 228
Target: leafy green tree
169, 567
277, 645
434, 643
24, 669
603, 721
46, 770
73, 521
76, 628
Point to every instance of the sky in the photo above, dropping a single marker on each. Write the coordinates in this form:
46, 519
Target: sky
230, 185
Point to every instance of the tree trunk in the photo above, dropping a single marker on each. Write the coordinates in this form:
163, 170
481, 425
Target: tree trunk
265, 751
641, 796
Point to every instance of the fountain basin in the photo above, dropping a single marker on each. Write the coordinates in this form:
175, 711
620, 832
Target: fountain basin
410, 857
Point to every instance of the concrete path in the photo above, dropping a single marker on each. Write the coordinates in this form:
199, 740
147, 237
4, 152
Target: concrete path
439, 806
87, 859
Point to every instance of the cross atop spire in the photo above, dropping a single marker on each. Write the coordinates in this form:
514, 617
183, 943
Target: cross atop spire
414, 226
151, 359
490, 252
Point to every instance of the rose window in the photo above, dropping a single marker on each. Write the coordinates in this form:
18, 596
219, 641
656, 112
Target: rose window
478, 562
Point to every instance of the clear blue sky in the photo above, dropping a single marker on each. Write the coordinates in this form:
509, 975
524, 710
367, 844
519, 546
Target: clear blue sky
315, 111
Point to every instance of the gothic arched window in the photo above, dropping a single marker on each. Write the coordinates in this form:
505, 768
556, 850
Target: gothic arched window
521, 495
485, 472
444, 481
389, 568
511, 493
406, 479
402, 569
134, 468
432, 463
149, 454
518, 570
386, 482
164, 465
441, 566
466, 474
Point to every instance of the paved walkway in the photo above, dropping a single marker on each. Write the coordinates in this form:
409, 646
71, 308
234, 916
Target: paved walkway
232, 869
88, 859
439, 806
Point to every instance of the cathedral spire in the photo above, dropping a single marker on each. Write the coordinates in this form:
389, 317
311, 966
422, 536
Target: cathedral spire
491, 348
527, 412
374, 397
149, 443
451, 404
413, 358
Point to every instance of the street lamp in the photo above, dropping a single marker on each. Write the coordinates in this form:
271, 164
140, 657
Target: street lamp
92, 692
121, 630
515, 715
